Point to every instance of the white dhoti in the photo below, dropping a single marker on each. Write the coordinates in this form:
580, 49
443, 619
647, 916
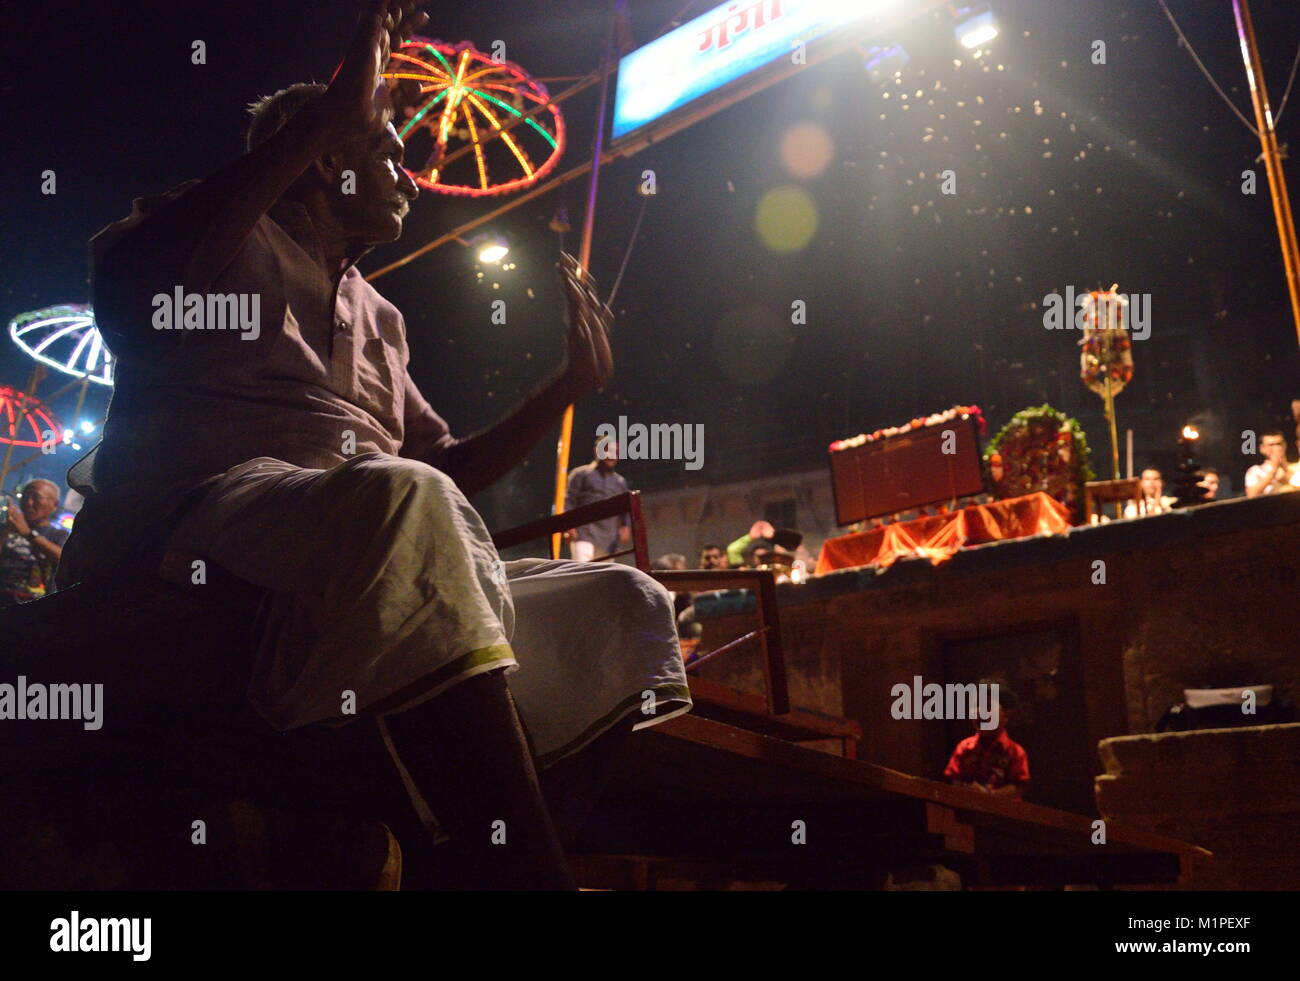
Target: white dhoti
388, 590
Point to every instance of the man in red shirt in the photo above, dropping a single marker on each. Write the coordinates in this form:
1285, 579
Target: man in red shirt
991, 760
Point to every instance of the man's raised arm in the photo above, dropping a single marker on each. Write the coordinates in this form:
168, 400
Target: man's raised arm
191, 240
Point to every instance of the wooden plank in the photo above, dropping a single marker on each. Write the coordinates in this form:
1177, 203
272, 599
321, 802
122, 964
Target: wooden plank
746, 710
773, 768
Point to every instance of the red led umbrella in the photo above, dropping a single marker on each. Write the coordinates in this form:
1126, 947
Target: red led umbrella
25, 421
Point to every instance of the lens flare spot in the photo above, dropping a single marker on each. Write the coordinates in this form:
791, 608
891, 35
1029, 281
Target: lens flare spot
786, 219
806, 150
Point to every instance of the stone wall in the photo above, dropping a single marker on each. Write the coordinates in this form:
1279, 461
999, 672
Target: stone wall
1233, 791
1198, 598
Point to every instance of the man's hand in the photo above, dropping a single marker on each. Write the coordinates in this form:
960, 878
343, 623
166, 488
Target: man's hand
16, 520
761, 529
590, 363
476, 462
358, 100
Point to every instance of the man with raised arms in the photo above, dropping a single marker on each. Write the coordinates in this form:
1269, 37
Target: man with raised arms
300, 457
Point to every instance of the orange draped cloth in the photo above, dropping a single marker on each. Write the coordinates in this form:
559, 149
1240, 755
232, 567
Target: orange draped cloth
939, 537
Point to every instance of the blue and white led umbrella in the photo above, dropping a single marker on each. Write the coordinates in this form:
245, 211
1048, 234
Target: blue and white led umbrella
65, 338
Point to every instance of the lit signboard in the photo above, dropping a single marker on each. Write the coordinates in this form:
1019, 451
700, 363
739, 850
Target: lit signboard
722, 46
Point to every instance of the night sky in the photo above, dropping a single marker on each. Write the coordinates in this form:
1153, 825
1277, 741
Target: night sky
1068, 173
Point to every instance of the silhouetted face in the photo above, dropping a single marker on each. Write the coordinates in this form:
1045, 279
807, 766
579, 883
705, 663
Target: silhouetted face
39, 502
383, 191
988, 735
1152, 483
607, 455
1273, 448
713, 558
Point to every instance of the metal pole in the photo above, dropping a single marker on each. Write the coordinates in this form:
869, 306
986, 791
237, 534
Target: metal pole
1272, 158
584, 259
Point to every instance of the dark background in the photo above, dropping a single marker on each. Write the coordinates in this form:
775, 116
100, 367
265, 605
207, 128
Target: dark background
916, 301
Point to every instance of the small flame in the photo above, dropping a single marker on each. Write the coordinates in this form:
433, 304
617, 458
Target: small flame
1190, 432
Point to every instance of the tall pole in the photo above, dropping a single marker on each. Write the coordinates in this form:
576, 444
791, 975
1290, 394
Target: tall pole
1272, 158
584, 260
1109, 399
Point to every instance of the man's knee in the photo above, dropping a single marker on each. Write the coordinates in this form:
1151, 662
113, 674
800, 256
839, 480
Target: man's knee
627, 587
393, 478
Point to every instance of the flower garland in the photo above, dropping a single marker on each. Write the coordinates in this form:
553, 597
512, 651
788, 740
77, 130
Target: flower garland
1107, 348
1040, 449
956, 412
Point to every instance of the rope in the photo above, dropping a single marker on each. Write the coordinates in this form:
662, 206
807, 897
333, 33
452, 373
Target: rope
1287, 94
645, 199
1182, 39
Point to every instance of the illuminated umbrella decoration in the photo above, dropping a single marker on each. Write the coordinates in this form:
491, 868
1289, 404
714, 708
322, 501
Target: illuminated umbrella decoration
25, 421
65, 337
468, 103
1106, 361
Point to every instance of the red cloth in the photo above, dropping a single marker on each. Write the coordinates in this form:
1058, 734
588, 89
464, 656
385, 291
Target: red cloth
939, 537
995, 764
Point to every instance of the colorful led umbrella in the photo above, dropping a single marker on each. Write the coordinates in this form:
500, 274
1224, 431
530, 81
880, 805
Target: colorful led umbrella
480, 126
65, 338
25, 421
